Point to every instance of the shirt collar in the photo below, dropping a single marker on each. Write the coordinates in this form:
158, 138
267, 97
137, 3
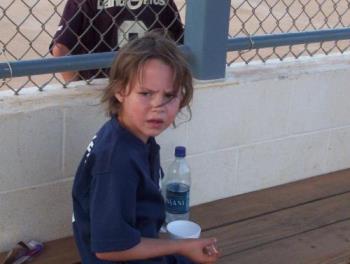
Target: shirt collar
150, 146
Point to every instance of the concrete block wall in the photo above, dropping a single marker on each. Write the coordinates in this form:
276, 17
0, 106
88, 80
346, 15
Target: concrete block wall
262, 126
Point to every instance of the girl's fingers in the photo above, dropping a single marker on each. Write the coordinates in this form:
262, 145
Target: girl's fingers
211, 250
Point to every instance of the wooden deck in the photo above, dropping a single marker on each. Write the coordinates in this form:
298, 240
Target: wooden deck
301, 222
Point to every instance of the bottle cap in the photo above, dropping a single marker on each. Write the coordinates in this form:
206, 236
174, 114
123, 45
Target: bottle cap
180, 151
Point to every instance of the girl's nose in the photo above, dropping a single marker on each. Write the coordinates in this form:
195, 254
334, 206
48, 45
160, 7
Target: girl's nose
159, 102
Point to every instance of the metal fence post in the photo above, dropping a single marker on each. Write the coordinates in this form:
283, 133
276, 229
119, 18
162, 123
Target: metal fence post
206, 35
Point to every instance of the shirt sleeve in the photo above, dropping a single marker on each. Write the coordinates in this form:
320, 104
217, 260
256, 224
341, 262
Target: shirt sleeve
113, 208
71, 24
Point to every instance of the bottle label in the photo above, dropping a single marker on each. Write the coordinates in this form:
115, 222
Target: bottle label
177, 198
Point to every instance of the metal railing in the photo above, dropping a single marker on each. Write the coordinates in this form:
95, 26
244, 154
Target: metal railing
258, 30
253, 18
27, 27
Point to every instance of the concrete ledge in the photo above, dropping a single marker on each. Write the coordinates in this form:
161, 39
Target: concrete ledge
262, 126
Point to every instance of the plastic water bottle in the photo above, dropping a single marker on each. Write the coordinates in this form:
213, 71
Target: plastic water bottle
176, 187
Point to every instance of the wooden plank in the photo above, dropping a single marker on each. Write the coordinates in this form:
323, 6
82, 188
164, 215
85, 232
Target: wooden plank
60, 251
245, 206
322, 245
250, 220
265, 229
339, 258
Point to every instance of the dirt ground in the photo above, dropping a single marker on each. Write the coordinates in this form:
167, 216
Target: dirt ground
27, 27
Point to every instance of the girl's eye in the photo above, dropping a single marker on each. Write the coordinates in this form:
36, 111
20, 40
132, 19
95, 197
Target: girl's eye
145, 93
170, 96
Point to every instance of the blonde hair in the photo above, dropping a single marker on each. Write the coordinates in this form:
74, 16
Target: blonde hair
129, 63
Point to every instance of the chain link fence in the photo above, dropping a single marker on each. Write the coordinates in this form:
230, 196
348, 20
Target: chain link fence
261, 17
27, 28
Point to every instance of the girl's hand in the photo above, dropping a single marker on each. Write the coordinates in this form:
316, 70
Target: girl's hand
200, 250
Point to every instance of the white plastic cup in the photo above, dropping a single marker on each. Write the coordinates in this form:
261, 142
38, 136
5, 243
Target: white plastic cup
183, 229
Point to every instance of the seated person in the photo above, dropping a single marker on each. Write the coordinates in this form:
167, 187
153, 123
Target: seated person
92, 26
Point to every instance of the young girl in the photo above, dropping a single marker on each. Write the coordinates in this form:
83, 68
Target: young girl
118, 206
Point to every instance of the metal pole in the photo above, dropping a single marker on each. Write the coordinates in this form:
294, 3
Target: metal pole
286, 39
50, 65
61, 64
206, 34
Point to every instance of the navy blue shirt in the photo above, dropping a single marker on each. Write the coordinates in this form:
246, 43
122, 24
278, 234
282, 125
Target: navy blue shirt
116, 194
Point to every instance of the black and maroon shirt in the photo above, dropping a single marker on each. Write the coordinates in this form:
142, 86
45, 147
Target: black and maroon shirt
91, 26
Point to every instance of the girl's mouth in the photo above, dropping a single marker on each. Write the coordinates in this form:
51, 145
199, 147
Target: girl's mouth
155, 123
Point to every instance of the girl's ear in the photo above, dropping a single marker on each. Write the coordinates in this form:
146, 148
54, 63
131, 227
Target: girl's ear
119, 97
120, 94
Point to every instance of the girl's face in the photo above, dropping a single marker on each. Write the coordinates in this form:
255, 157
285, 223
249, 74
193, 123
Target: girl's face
151, 105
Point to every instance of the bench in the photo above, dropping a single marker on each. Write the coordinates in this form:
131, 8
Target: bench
302, 222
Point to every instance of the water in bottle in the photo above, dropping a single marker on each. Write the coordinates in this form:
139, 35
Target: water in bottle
176, 187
